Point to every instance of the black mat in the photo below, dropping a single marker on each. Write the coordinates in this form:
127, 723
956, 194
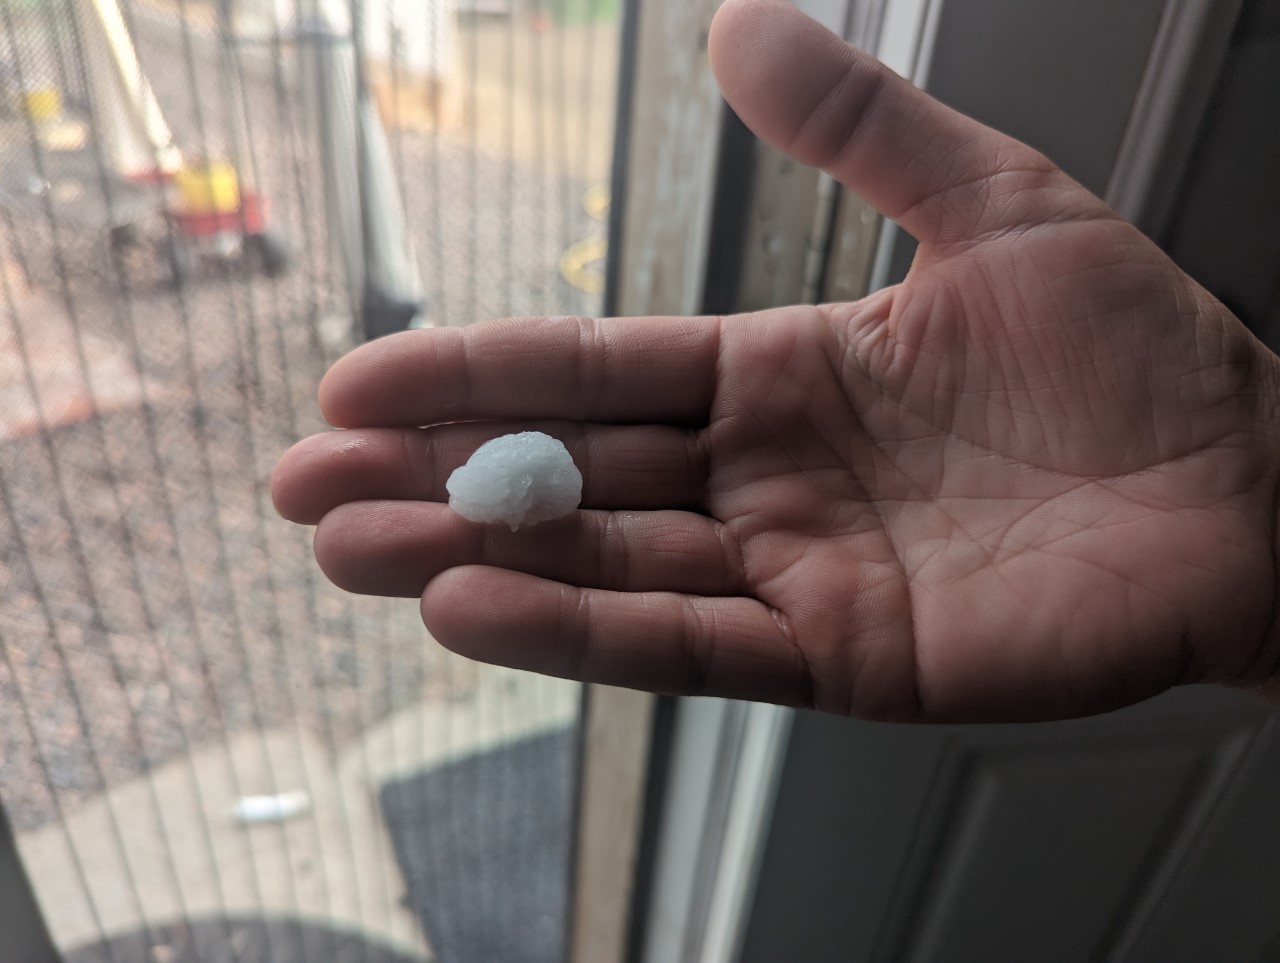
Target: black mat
484, 844
243, 940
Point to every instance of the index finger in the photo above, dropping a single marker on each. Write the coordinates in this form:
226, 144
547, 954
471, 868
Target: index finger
618, 370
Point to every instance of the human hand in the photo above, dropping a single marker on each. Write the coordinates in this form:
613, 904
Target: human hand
1037, 479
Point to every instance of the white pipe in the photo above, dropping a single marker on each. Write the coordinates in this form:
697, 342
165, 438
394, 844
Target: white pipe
133, 131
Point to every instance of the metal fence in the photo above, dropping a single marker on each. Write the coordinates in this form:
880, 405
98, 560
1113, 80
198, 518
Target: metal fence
206, 751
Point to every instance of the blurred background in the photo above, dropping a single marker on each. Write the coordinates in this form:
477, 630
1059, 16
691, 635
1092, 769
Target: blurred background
206, 750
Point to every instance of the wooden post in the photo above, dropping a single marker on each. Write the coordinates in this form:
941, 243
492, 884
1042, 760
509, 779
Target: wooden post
672, 149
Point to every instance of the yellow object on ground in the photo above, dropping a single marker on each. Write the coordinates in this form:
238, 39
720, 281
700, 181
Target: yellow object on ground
595, 200
42, 103
582, 264
209, 189
576, 265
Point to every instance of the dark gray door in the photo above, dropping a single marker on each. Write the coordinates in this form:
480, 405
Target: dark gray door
1151, 834
1148, 834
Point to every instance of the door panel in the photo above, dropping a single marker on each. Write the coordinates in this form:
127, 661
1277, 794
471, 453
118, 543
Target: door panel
1056, 834
1117, 837
1225, 903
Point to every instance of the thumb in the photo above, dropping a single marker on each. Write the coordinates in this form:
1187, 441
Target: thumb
941, 175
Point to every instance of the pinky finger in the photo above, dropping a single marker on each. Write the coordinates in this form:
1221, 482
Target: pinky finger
661, 641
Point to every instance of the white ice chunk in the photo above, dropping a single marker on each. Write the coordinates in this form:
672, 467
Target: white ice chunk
519, 479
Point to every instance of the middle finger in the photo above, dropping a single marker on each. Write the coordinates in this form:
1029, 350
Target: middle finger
641, 467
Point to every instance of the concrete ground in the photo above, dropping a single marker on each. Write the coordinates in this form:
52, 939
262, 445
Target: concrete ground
171, 846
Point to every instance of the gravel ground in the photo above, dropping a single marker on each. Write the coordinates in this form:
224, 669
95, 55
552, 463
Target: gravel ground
150, 599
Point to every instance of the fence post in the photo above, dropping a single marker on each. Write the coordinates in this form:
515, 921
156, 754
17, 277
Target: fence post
363, 207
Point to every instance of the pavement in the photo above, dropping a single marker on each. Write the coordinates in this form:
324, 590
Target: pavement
42, 381
399, 833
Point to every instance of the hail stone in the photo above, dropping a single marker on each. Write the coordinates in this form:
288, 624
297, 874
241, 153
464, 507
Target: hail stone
519, 479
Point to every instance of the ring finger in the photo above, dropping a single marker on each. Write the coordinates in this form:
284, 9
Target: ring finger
397, 547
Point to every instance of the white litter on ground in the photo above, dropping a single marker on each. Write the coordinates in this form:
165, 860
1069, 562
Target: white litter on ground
519, 479
272, 809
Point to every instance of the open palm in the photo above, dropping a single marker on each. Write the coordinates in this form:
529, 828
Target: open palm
1035, 479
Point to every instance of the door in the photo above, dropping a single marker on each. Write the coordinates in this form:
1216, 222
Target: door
1148, 834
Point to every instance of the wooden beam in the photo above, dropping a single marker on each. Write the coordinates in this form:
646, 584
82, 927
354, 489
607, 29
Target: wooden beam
673, 145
